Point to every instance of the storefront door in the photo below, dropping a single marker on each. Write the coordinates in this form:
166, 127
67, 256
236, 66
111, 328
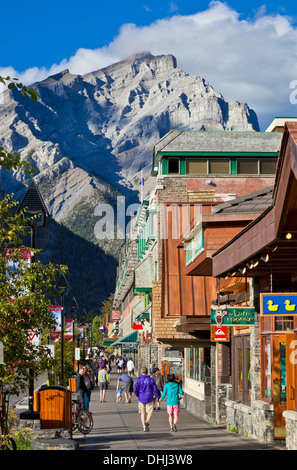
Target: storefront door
283, 380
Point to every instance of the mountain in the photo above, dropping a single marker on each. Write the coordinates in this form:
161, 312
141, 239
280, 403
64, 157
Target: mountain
97, 131
90, 137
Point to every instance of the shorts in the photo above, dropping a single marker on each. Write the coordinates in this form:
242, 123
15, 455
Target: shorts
102, 385
128, 387
145, 407
173, 409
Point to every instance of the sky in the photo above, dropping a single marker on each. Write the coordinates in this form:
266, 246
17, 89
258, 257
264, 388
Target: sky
246, 50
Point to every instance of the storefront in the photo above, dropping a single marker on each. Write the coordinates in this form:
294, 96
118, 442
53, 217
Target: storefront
263, 363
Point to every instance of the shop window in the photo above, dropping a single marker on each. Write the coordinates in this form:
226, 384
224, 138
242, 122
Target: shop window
195, 364
267, 392
173, 166
241, 384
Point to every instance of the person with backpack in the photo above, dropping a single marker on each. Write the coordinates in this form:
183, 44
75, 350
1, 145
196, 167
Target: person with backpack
172, 390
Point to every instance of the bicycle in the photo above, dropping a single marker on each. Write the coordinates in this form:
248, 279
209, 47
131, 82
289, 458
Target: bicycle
81, 419
7, 443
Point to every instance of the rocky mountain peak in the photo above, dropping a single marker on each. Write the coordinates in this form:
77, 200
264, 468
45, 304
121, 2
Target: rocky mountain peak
90, 134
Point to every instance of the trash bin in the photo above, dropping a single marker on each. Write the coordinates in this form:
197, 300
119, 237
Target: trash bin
54, 405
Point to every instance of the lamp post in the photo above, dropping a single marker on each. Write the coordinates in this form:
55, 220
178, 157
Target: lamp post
33, 205
83, 318
73, 309
63, 287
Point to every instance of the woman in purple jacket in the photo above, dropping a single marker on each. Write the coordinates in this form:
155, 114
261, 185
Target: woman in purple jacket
144, 389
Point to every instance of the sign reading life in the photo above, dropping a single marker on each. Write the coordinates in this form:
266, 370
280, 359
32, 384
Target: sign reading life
279, 304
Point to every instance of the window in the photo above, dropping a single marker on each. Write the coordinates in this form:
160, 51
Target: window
208, 166
195, 366
283, 323
219, 166
241, 385
247, 166
153, 223
197, 166
173, 166
267, 166
267, 367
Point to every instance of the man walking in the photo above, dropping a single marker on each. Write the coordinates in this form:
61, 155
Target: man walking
144, 389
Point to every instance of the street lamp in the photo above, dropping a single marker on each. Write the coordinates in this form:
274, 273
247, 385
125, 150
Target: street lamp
33, 206
73, 309
83, 318
63, 287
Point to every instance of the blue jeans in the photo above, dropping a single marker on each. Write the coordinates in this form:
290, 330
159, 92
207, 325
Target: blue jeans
87, 396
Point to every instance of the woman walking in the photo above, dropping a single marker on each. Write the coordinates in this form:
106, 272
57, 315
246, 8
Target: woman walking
103, 378
172, 390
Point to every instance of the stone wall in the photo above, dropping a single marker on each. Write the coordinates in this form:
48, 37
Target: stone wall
291, 429
256, 421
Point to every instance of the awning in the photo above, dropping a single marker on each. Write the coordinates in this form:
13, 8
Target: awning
108, 342
129, 340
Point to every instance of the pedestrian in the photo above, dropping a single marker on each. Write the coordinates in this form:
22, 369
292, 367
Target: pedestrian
89, 387
158, 379
95, 369
130, 366
172, 390
125, 360
103, 379
120, 364
81, 388
144, 389
153, 368
127, 384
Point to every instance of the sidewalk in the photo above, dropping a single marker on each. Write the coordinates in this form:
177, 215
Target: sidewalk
118, 427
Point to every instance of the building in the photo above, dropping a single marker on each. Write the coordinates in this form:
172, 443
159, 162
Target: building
215, 203
270, 344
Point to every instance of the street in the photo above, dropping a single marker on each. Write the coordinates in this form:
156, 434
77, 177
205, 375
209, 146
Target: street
118, 427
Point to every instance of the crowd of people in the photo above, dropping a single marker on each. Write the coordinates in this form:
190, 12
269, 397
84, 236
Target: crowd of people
148, 388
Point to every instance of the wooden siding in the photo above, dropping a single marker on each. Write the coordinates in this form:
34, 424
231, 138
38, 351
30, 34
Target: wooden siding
184, 295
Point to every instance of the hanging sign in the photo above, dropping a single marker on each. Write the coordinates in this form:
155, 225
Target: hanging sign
278, 304
232, 316
220, 333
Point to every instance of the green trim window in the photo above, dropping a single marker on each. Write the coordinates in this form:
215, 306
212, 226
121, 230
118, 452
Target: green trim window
173, 166
256, 166
217, 166
197, 166
208, 166
247, 166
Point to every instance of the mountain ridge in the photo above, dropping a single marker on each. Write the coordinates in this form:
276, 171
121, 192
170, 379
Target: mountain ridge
96, 132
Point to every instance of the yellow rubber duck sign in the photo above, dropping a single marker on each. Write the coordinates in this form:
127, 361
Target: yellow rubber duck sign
280, 304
